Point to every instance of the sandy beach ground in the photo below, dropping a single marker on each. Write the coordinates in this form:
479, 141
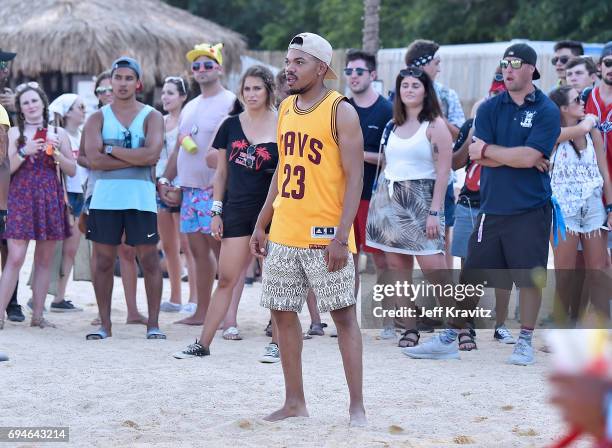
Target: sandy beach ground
128, 391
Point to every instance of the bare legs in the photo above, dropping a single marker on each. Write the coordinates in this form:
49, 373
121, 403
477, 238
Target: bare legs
69, 250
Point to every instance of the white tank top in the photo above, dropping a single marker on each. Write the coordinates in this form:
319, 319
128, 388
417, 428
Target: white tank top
409, 158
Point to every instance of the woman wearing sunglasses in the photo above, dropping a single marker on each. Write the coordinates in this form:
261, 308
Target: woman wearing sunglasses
406, 214
247, 158
579, 178
38, 157
174, 94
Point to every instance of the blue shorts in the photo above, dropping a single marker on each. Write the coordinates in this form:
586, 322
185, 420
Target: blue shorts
76, 202
449, 206
465, 221
195, 210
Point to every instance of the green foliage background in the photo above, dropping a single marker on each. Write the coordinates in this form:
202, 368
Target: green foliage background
269, 24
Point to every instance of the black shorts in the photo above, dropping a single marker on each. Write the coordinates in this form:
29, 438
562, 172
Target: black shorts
239, 222
512, 249
108, 227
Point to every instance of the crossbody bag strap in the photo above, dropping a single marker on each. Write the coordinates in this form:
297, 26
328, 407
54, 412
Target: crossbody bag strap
389, 127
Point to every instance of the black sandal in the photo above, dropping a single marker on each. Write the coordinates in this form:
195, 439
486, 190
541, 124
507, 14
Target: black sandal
466, 338
406, 341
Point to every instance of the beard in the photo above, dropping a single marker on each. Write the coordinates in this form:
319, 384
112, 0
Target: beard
359, 90
607, 80
297, 91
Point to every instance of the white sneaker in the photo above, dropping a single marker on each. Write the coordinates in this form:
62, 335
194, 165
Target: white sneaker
434, 348
271, 354
387, 333
503, 335
189, 308
169, 307
522, 354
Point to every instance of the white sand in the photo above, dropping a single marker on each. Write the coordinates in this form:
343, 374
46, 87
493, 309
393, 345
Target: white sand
127, 391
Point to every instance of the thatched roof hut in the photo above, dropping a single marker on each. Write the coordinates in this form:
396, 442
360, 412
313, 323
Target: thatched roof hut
85, 36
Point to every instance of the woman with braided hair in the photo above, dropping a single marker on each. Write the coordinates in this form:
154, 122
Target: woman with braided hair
37, 208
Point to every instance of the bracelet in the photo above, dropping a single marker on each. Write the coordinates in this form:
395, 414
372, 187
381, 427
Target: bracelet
433, 213
608, 208
163, 181
345, 244
217, 206
214, 213
21, 153
484, 149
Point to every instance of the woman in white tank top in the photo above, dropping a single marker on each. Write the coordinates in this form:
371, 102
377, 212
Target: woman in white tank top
579, 178
174, 95
406, 214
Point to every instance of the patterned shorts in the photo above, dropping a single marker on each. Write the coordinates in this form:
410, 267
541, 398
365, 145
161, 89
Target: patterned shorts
195, 210
288, 273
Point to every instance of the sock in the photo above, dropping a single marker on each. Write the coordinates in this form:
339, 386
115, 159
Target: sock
526, 334
447, 336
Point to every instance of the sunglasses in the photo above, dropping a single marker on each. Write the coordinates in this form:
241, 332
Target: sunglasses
175, 80
32, 84
250, 160
101, 90
515, 64
607, 62
415, 72
127, 139
4, 65
206, 65
576, 100
360, 71
562, 59
498, 77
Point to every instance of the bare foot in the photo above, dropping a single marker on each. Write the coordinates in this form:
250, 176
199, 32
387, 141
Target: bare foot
139, 319
287, 412
191, 320
357, 417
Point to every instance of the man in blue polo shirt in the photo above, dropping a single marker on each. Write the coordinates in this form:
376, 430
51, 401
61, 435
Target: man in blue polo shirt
515, 133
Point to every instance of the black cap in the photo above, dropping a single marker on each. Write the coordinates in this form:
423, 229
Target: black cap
525, 53
5, 56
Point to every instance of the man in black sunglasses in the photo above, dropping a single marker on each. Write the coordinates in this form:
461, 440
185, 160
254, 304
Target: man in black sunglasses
374, 113
564, 51
7, 97
515, 133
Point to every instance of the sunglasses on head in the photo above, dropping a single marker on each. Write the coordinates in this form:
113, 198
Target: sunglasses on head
415, 72
607, 62
21, 87
562, 59
175, 80
101, 90
515, 64
206, 65
360, 71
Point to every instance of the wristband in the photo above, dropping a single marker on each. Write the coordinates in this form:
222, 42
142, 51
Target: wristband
163, 181
433, 213
484, 149
341, 242
217, 206
21, 153
608, 208
214, 213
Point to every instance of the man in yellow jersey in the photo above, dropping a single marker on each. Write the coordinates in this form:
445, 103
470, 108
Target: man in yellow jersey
312, 202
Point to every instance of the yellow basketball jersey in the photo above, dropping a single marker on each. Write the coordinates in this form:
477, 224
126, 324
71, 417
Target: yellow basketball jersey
311, 181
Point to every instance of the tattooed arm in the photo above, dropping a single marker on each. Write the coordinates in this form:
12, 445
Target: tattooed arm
441, 148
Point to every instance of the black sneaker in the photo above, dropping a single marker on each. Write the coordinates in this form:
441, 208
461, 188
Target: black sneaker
65, 306
194, 350
14, 313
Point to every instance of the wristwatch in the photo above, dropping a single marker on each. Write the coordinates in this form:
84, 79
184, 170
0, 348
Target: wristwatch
433, 213
608, 208
108, 149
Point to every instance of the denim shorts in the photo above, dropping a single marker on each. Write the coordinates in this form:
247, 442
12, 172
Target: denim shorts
589, 218
449, 206
76, 201
465, 221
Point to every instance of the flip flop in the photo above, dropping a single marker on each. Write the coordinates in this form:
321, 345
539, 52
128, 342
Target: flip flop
100, 333
231, 334
155, 333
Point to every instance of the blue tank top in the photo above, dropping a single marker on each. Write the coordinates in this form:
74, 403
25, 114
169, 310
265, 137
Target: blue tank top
125, 188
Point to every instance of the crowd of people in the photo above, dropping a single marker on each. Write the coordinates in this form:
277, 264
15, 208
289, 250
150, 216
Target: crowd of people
288, 172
